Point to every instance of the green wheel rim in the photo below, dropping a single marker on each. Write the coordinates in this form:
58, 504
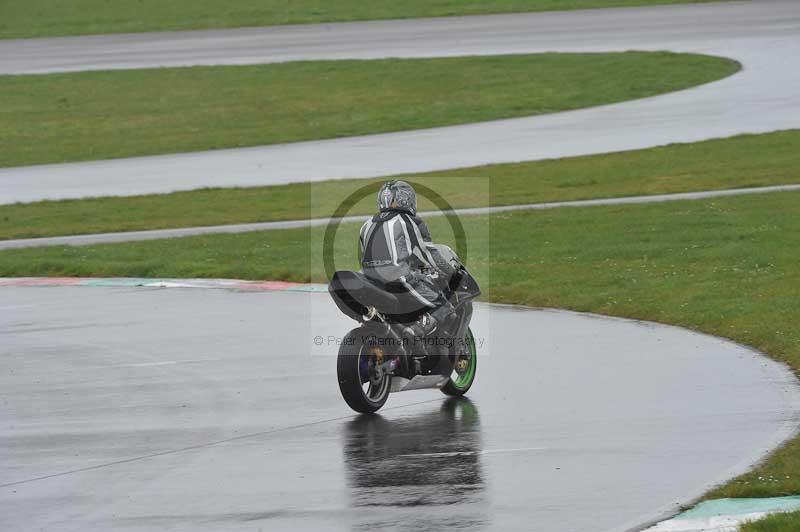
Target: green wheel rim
465, 379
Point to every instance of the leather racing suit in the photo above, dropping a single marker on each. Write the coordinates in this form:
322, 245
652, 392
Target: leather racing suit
395, 253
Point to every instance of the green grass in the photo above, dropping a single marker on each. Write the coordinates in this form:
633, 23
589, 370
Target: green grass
750, 160
788, 522
726, 267
99, 115
780, 475
45, 18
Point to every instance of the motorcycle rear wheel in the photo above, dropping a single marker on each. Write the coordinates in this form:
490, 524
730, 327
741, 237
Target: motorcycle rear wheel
362, 388
461, 381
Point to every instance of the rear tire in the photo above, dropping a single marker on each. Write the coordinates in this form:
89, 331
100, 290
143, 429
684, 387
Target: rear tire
460, 382
351, 373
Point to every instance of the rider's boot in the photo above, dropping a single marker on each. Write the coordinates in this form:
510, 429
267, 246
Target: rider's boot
428, 323
425, 325
442, 316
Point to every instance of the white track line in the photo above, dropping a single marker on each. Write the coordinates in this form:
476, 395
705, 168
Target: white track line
474, 453
134, 236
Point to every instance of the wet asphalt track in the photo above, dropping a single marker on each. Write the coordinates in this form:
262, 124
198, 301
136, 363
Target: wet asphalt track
185, 409
764, 35
142, 409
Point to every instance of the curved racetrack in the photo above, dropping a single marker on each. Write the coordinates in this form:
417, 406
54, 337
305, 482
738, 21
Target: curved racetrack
191, 409
764, 35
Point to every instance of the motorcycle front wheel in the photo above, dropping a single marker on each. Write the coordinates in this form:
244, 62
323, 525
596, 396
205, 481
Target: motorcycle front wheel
465, 366
364, 386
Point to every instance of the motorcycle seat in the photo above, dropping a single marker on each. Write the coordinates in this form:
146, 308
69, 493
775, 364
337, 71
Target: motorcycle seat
354, 293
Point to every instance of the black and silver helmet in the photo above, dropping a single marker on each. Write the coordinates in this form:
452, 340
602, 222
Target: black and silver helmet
397, 196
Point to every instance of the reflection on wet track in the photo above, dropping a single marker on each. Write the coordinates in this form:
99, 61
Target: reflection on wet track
428, 460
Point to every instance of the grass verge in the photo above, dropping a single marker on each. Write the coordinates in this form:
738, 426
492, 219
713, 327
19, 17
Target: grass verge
99, 115
787, 522
750, 160
44, 18
727, 267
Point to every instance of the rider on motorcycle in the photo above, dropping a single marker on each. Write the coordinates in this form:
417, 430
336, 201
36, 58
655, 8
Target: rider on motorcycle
397, 252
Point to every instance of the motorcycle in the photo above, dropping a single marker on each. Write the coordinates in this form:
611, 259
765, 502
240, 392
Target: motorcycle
376, 359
